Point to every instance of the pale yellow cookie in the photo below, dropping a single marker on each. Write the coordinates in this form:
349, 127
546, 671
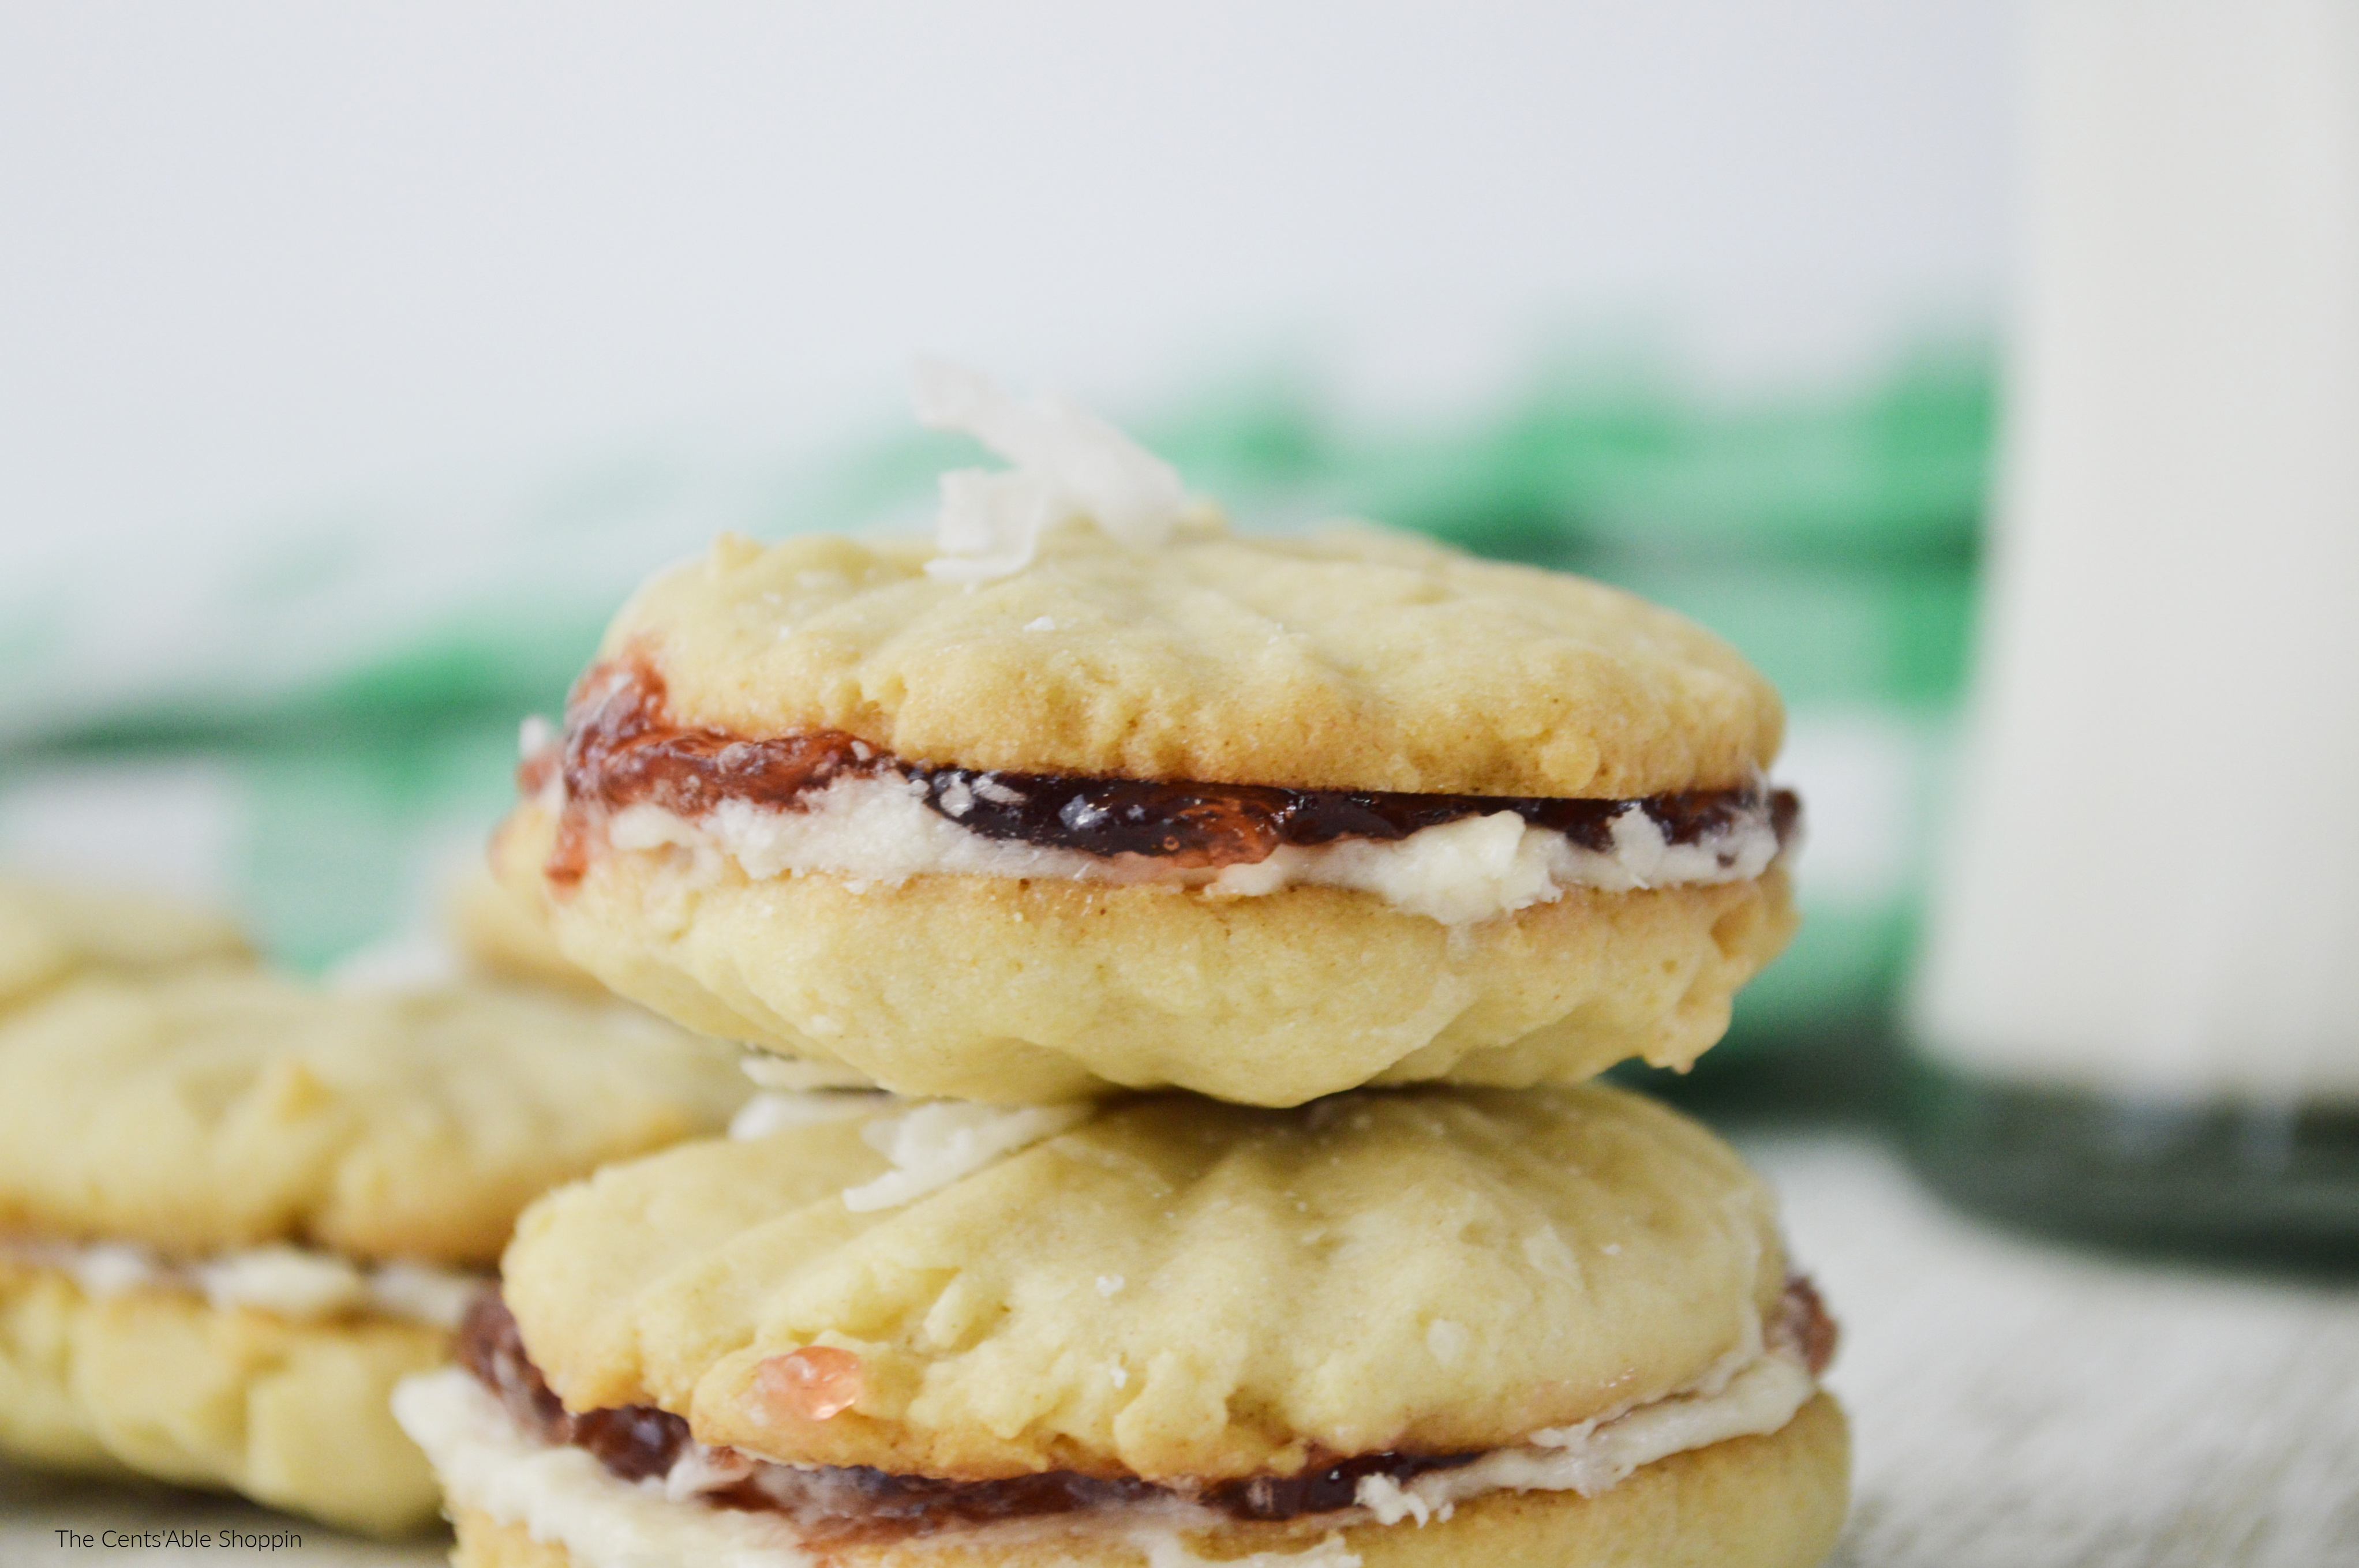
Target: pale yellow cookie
156, 1382
1168, 1289
50, 932
1016, 990
504, 932
1775, 1501
210, 1109
1355, 660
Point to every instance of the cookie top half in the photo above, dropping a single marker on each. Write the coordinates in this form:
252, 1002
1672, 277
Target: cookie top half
214, 1110
50, 932
1356, 659
1166, 1288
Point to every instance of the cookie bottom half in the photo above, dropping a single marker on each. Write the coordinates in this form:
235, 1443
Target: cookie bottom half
1015, 991
1774, 1501
159, 1383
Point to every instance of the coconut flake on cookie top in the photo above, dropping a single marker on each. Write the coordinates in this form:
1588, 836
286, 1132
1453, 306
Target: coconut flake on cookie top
1069, 465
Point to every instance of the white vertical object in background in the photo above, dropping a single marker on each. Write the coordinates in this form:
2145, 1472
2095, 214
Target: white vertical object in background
2155, 890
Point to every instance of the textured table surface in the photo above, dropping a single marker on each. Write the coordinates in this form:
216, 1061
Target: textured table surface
2014, 1405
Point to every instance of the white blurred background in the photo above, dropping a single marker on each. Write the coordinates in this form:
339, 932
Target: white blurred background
355, 361
256, 255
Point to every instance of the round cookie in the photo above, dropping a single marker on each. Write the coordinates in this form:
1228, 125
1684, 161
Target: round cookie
1357, 659
763, 820
504, 933
1461, 1270
1773, 1501
207, 1110
50, 933
159, 1383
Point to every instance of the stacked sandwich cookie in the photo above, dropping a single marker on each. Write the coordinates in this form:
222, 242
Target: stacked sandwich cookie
1230, 929
237, 1210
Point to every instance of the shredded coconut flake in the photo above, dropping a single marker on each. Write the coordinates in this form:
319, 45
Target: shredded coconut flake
1384, 1496
935, 1144
1068, 464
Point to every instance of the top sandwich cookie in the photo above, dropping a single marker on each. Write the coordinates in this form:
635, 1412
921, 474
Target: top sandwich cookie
1092, 792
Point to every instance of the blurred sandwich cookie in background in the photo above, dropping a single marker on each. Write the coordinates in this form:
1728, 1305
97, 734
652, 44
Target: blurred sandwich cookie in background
235, 1211
50, 932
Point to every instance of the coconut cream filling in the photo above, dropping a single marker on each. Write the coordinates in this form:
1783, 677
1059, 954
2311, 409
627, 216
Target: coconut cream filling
878, 830
563, 1495
290, 1281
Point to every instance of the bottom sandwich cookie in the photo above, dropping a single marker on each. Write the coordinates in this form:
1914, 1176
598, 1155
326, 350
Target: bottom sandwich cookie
1548, 1327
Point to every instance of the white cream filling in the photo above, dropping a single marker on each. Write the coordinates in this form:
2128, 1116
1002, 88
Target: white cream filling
290, 1281
776, 1110
1595, 1456
562, 1495
880, 830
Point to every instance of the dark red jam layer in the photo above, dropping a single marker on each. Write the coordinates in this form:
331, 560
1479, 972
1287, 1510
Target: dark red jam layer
621, 749
1807, 1324
837, 1503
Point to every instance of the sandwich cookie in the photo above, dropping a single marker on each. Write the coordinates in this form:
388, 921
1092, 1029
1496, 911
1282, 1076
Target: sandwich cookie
236, 1211
50, 933
1433, 1325
1095, 794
